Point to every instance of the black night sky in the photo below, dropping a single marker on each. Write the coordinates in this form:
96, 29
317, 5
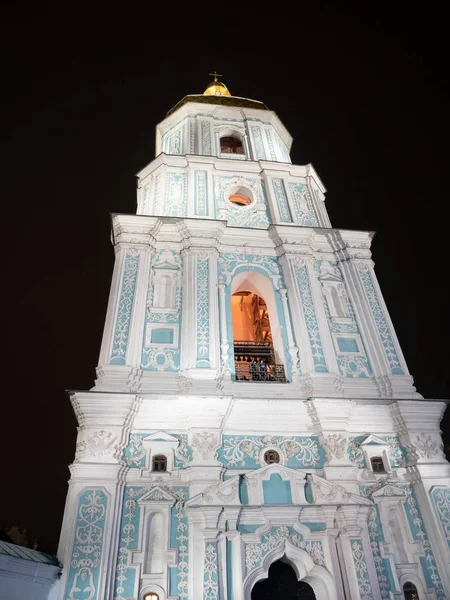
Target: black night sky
365, 96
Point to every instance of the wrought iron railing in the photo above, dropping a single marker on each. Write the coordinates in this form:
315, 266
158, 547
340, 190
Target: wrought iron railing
254, 360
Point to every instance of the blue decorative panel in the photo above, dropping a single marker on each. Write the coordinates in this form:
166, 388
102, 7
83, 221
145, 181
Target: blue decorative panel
126, 581
243, 491
282, 201
380, 320
254, 215
145, 200
347, 344
304, 209
441, 499
125, 309
163, 358
134, 455
211, 576
201, 193
382, 565
162, 336
205, 133
359, 560
192, 137
255, 552
248, 528
229, 570
270, 144
277, 491
309, 312
418, 530
84, 568
156, 210
239, 451
202, 288
349, 366
175, 142
258, 143
175, 200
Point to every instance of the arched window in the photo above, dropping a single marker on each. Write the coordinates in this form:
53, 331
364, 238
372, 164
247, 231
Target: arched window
231, 145
377, 464
271, 456
159, 463
410, 591
151, 596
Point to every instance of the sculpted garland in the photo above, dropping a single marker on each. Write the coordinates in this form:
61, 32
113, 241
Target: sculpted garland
278, 536
236, 449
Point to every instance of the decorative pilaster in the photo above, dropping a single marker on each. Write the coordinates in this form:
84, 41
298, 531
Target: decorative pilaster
224, 345
293, 350
188, 341
356, 554
211, 589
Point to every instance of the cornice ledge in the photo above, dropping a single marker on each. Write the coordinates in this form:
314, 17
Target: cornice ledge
103, 408
135, 229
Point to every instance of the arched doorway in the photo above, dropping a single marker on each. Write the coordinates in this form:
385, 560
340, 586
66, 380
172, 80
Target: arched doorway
282, 583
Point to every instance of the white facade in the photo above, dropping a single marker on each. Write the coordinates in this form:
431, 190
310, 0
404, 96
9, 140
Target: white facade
209, 526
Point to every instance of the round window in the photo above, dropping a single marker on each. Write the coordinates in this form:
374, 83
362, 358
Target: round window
239, 196
271, 456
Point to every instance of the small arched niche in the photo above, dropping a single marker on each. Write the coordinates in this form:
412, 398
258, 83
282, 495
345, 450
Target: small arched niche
256, 330
154, 542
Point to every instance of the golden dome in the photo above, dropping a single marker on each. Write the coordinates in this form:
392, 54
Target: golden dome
216, 87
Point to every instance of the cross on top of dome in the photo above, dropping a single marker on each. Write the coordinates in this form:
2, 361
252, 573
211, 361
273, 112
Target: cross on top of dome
216, 87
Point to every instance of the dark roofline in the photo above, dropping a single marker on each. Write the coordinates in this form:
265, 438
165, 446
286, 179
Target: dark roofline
235, 101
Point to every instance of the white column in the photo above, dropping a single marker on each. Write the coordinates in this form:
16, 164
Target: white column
224, 346
136, 336
188, 326
113, 301
299, 325
293, 350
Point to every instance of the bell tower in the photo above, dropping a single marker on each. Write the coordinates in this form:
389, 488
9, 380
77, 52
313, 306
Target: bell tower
252, 402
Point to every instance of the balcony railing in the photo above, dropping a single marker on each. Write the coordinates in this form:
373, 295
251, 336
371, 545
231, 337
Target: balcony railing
255, 361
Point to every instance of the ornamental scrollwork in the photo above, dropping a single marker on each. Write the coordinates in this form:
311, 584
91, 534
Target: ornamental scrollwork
236, 449
336, 445
99, 443
425, 447
359, 559
211, 577
441, 499
255, 552
87, 546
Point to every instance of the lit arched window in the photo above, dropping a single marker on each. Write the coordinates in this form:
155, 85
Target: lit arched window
377, 464
151, 596
159, 463
271, 456
410, 591
231, 145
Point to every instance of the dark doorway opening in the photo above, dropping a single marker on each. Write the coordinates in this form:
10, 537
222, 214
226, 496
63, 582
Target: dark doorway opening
282, 584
